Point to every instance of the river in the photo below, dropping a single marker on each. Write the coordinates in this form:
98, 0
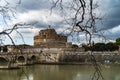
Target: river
59, 72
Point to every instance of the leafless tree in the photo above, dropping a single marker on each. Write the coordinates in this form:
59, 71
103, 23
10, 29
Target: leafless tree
7, 12
81, 16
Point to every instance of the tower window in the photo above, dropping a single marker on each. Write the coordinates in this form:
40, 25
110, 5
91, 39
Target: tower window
44, 35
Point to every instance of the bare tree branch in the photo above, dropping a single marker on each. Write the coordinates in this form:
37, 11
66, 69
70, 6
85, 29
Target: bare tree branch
83, 20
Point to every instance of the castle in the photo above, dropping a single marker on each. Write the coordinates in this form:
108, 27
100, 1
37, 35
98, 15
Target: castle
48, 38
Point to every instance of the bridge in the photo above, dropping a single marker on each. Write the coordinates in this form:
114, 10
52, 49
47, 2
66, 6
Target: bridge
13, 60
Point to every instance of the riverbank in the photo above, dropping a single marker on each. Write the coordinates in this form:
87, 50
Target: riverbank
63, 63
57, 63
74, 63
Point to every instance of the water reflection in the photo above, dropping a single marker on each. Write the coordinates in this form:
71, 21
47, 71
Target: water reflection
28, 77
26, 73
59, 72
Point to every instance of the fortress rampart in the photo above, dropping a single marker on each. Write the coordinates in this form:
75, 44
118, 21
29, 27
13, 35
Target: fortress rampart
49, 38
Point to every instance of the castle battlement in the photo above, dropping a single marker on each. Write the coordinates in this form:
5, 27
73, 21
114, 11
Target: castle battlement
48, 38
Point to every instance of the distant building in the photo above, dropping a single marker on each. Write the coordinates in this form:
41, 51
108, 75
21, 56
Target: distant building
48, 38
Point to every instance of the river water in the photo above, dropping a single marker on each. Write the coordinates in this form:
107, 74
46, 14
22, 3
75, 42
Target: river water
59, 72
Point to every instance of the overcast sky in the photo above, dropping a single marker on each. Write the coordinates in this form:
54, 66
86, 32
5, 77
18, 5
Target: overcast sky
37, 12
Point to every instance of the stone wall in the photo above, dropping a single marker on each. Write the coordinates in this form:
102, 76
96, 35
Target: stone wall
48, 38
85, 57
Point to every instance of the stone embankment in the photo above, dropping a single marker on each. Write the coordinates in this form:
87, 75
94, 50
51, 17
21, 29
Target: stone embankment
8, 60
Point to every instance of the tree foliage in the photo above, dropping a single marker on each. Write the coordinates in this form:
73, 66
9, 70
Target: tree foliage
111, 46
99, 47
118, 41
103, 47
74, 46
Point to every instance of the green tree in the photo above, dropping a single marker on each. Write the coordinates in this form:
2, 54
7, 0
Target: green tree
74, 46
111, 46
99, 47
118, 41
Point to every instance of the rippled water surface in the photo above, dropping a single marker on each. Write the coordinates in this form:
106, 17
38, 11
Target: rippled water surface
59, 72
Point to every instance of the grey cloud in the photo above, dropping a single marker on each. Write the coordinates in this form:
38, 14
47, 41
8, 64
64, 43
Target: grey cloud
26, 32
38, 24
112, 17
111, 23
27, 5
111, 35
